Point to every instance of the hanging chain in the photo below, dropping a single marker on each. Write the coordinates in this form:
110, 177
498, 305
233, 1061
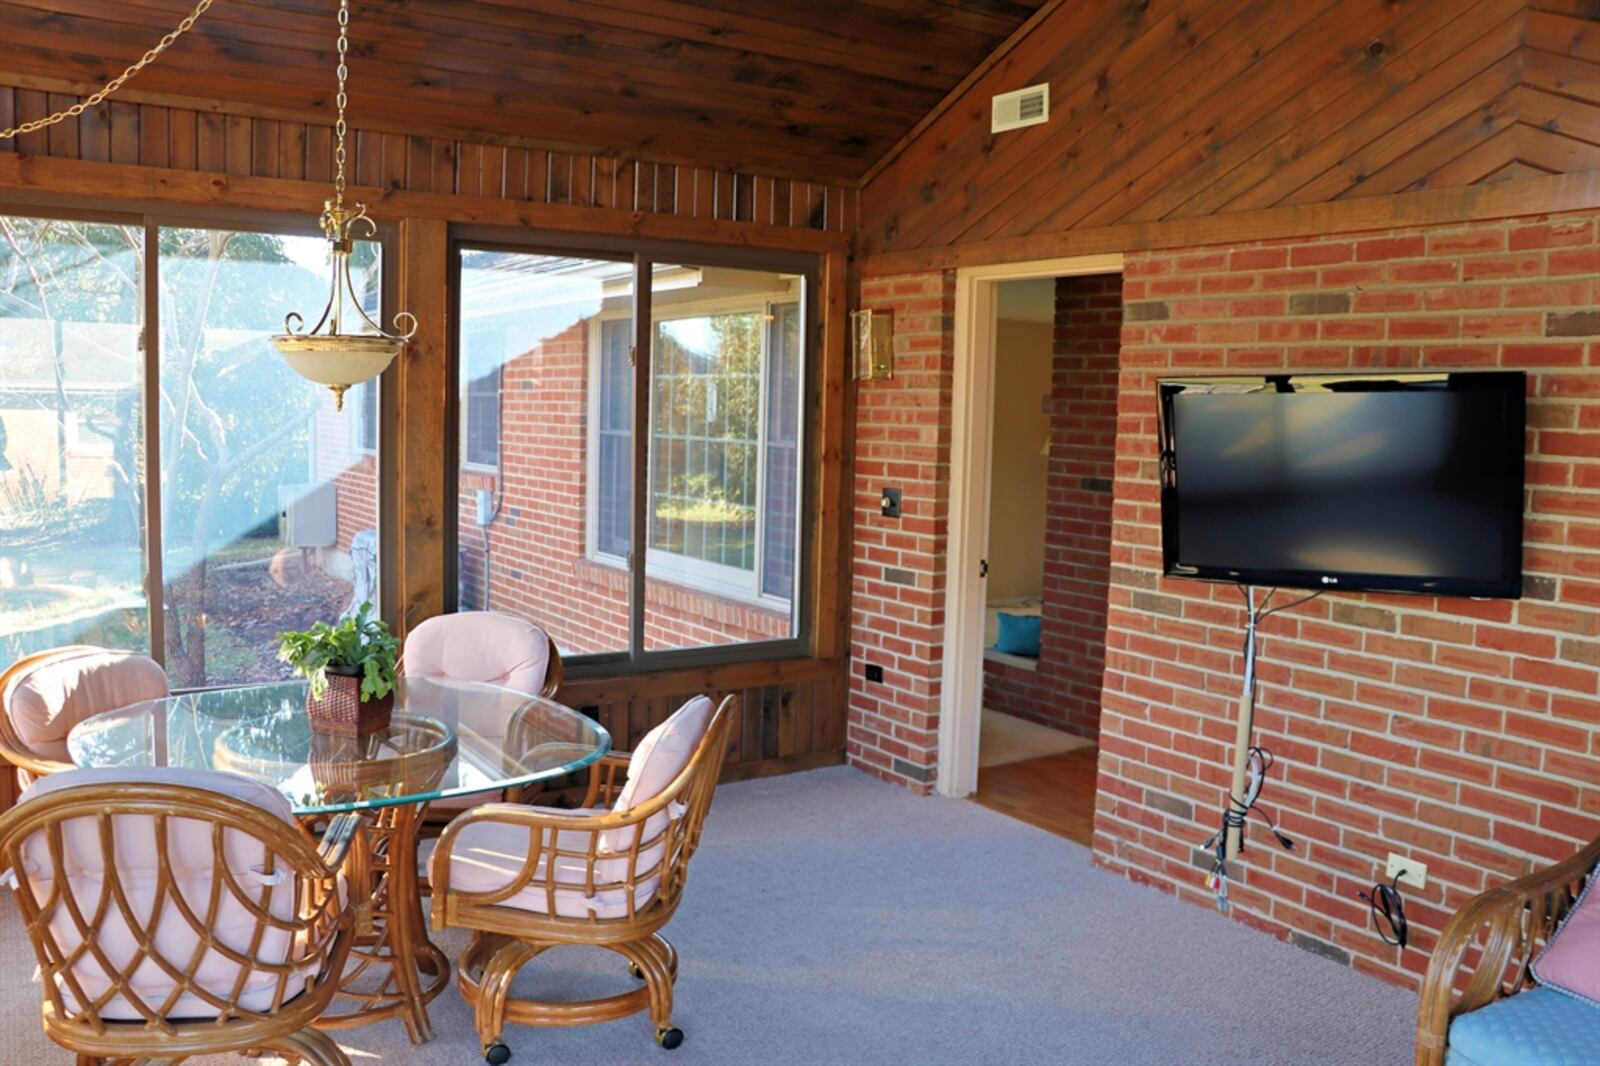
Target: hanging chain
116, 83
341, 99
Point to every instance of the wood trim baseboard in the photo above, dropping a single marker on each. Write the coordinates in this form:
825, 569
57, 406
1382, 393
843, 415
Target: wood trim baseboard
1578, 191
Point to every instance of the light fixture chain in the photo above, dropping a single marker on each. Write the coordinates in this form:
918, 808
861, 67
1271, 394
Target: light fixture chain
341, 99
114, 84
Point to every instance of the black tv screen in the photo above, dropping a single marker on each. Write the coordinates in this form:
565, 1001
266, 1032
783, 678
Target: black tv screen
1393, 482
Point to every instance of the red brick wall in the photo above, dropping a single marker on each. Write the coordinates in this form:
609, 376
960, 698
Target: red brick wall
1064, 692
897, 605
353, 472
538, 565
1466, 734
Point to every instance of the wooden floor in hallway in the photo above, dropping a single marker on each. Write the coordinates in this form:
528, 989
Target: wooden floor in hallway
1053, 792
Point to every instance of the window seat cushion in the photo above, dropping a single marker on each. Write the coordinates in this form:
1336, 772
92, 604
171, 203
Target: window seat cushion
1539, 1027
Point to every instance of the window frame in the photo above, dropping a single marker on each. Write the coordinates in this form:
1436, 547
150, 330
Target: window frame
150, 218
716, 579
643, 254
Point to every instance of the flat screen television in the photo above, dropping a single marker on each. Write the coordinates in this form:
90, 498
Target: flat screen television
1407, 482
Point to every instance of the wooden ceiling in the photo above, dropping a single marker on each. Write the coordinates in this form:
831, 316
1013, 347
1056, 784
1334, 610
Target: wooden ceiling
1183, 109
797, 88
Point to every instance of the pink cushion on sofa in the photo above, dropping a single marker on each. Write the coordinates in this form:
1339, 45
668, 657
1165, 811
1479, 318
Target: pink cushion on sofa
482, 646
189, 854
1570, 963
50, 696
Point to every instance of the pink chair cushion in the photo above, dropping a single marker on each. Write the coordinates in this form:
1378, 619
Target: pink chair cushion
189, 853
1570, 963
488, 855
483, 646
47, 698
655, 764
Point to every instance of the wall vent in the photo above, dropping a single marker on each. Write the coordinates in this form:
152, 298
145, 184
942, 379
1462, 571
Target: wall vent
1023, 107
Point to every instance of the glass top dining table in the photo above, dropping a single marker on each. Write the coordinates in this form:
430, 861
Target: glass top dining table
444, 739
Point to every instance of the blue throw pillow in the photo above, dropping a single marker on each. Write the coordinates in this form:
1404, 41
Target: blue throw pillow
1019, 634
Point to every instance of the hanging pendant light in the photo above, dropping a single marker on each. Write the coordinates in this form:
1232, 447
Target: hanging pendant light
335, 358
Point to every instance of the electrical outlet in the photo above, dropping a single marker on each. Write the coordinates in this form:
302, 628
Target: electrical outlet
1416, 873
873, 672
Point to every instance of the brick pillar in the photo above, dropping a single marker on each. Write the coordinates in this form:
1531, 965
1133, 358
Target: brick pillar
898, 583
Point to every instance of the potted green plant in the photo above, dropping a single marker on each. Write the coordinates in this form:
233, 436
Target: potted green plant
352, 670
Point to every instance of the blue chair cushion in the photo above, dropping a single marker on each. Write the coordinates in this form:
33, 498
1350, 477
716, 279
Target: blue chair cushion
1539, 1027
1019, 634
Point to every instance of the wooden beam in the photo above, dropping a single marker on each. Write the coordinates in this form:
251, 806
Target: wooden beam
425, 393
66, 182
830, 565
1561, 192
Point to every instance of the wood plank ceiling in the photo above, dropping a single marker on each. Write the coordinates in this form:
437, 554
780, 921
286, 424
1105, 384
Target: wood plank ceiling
1181, 109
816, 89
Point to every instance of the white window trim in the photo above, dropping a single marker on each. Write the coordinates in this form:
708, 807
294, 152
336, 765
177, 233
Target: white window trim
466, 414
717, 579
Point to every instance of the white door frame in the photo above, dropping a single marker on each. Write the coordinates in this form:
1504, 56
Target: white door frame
971, 440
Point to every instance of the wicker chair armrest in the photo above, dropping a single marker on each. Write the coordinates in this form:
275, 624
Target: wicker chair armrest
604, 779
1501, 910
34, 764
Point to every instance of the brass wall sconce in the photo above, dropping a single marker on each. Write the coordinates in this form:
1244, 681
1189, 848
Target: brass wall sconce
874, 344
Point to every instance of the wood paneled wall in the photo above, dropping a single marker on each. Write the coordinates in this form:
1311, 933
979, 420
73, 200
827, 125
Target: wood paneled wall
188, 140
787, 711
1168, 111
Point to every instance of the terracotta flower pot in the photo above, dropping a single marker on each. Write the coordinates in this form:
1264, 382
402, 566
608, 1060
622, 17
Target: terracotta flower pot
342, 710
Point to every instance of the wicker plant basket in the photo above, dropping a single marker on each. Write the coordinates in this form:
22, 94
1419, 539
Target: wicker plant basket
341, 709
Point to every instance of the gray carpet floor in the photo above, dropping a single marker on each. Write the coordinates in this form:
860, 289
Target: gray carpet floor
834, 919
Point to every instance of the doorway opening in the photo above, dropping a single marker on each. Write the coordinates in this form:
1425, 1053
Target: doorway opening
1035, 433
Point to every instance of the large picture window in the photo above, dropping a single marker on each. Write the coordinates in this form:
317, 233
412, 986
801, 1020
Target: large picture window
260, 514
552, 536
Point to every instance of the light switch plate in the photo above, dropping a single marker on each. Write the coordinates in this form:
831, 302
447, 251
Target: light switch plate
1416, 872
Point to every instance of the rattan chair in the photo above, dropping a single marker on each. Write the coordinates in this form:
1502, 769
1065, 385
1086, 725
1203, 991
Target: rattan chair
619, 876
177, 913
1500, 931
43, 695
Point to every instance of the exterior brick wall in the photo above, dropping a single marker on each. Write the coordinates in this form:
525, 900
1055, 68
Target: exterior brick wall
1463, 733
1466, 734
338, 457
538, 566
1064, 692
897, 605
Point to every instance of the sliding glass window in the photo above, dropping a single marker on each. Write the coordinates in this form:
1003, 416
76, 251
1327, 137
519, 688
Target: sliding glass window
532, 330
268, 497
550, 517
72, 529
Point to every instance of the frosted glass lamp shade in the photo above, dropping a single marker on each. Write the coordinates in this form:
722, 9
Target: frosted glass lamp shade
337, 360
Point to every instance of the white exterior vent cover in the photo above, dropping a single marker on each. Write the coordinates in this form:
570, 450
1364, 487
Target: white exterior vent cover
1024, 107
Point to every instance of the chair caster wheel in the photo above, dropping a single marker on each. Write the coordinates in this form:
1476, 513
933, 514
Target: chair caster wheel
497, 1054
633, 968
669, 1036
